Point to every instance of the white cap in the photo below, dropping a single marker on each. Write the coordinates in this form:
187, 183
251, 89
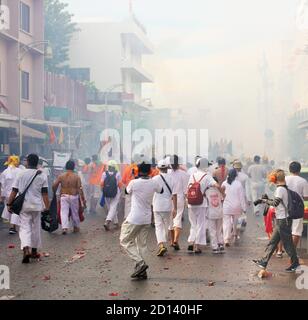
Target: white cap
162, 164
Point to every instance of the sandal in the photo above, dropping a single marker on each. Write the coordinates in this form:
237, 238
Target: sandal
27, 255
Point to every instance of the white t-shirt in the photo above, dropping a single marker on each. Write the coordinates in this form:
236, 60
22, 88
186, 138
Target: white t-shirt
33, 198
180, 179
257, 173
298, 184
142, 191
207, 182
234, 203
163, 202
7, 179
281, 211
244, 180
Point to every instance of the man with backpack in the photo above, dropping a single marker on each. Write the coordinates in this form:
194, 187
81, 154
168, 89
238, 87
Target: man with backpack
288, 206
299, 185
198, 183
111, 185
162, 207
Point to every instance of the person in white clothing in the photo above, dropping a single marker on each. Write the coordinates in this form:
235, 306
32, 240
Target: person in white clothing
111, 185
36, 200
194, 169
257, 175
243, 179
234, 205
180, 179
197, 213
162, 207
135, 229
300, 185
215, 219
7, 179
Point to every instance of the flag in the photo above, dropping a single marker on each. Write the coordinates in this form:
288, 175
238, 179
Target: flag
61, 136
78, 140
52, 135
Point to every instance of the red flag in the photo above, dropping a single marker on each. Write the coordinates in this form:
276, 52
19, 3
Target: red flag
52, 136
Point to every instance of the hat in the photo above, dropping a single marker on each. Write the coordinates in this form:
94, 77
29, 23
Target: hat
237, 164
202, 163
162, 164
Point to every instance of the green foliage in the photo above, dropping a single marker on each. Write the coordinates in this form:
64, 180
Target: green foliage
59, 30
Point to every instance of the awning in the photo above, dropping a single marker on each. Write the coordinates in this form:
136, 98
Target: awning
4, 124
101, 107
28, 132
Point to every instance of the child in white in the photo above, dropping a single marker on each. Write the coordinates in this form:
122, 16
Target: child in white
197, 213
215, 219
234, 205
7, 179
112, 203
135, 229
162, 207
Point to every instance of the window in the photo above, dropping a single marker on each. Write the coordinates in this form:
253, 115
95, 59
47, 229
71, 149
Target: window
24, 17
25, 85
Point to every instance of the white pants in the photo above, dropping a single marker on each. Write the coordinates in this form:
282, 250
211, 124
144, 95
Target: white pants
198, 223
11, 217
163, 224
177, 221
30, 230
230, 227
127, 205
69, 204
112, 208
257, 190
216, 232
133, 239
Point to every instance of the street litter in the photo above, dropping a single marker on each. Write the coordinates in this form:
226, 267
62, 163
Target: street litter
78, 256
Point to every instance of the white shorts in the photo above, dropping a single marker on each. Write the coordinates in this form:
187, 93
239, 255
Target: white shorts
297, 227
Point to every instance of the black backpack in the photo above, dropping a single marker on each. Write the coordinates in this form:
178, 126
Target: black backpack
296, 206
110, 188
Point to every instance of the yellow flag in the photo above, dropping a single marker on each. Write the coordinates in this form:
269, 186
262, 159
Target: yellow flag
61, 136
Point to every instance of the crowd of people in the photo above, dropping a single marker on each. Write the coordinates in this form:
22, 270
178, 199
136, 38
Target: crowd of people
218, 196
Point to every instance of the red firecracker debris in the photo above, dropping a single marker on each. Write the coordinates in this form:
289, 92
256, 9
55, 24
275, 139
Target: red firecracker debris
11, 246
113, 294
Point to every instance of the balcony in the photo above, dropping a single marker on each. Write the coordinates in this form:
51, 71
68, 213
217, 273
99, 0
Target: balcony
136, 71
135, 34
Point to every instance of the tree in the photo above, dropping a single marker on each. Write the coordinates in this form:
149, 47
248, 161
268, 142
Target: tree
59, 30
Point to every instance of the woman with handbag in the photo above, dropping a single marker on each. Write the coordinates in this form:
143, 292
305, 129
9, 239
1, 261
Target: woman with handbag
72, 197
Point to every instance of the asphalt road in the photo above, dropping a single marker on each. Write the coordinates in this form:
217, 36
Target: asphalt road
103, 271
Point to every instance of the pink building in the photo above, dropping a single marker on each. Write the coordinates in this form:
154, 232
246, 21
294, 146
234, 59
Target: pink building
23, 25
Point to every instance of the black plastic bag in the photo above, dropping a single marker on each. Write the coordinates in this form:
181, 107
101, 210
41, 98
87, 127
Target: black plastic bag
50, 218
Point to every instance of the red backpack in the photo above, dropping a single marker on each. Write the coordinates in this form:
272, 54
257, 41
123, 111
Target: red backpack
194, 194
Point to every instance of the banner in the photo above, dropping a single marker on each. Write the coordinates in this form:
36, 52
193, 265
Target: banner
60, 159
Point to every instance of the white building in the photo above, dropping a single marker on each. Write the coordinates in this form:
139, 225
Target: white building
113, 51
